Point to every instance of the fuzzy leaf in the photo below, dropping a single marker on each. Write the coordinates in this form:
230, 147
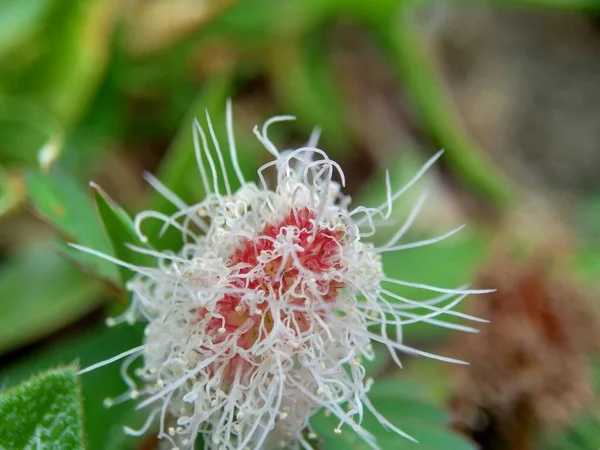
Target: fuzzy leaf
103, 427
44, 412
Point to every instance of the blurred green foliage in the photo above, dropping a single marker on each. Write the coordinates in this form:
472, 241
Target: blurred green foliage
87, 82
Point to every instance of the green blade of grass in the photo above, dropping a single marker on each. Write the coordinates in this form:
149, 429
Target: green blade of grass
410, 59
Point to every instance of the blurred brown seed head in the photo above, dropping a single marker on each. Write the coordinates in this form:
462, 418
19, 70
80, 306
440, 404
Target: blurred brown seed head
529, 366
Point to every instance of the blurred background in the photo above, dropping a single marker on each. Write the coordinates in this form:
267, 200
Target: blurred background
104, 90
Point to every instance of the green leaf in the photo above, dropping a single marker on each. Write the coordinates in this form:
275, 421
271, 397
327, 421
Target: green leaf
400, 402
178, 169
450, 263
44, 412
380, 362
253, 23
447, 264
560, 5
103, 427
398, 36
40, 292
121, 231
59, 199
581, 435
29, 135
19, 20
61, 66
306, 85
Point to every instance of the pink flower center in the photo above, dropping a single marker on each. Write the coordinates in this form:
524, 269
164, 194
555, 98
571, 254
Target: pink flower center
283, 277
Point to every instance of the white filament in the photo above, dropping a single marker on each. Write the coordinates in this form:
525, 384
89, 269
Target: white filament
308, 344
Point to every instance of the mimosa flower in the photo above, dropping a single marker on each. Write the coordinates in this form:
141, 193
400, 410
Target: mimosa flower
266, 313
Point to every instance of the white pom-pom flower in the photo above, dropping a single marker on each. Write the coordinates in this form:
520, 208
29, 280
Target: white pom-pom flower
264, 315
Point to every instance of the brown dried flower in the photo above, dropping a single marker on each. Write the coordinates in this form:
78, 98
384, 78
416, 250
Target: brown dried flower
529, 366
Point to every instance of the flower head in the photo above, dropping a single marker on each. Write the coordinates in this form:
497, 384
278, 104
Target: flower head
531, 366
265, 314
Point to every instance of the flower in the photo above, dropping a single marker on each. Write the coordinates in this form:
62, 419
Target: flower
265, 314
531, 367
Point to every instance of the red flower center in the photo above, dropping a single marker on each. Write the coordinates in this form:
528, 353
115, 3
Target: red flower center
283, 277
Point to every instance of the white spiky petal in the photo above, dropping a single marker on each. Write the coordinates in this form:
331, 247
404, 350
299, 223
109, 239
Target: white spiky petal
245, 353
